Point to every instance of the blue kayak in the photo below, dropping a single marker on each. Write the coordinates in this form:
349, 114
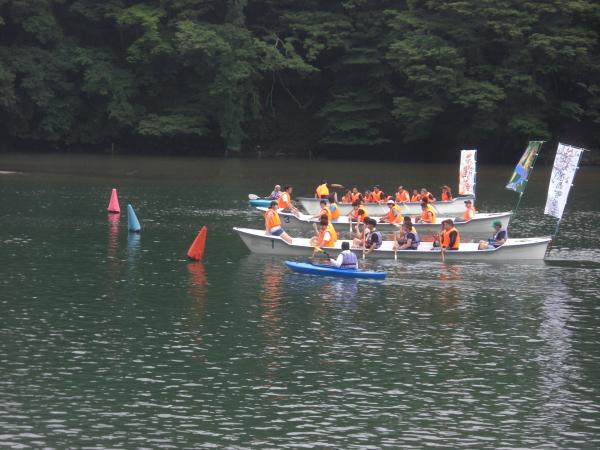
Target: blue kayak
332, 271
264, 202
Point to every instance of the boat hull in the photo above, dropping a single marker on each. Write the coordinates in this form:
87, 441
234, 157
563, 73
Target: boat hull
324, 271
514, 249
453, 208
481, 226
260, 203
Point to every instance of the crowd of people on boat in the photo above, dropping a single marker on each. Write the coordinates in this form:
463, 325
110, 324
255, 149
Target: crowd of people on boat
365, 234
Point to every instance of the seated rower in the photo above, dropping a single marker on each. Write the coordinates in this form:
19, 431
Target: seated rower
426, 195
469, 212
347, 197
356, 195
410, 239
428, 214
333, 208
346, 259
450, 237
394, 215
284, 202
372, 239
402, 195
416, 197
498, 238
446, 193
273, 223
367, 198
326, 236
276, 193
324, 211
377, 195
358, 214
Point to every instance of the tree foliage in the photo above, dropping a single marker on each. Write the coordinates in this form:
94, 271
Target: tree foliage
238, 73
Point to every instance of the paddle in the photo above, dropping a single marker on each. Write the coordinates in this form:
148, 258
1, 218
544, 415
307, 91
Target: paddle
253, 197
319, 249
338, 186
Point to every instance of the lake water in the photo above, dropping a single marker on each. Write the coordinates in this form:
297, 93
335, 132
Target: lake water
115, 340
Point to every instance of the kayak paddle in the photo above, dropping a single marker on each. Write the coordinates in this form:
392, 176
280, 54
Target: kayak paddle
253, 197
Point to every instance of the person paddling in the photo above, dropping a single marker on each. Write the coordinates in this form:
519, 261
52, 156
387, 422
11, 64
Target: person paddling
394, 215
409, 240
276, 193
372, 239
273, 223
450, 237
326, 236
346, 259
358, 214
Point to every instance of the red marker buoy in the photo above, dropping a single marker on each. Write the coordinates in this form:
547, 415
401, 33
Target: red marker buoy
197, 248
113, 205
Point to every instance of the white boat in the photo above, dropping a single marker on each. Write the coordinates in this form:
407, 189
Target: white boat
513, 250
480, 226
453, 208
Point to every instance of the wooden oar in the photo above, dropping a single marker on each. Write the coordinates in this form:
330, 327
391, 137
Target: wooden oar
338, 186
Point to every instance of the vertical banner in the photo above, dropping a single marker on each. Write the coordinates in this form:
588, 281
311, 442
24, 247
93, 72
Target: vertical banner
519, 178
563, 172
466, 174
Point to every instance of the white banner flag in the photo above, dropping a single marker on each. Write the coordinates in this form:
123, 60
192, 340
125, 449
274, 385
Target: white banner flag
563, 172
466, 176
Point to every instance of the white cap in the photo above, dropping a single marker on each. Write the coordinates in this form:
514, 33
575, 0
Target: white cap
390, 202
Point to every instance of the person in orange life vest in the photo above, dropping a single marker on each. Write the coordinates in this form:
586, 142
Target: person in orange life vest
450, 237
322, 190
426, 195
446, 193
366, 198
284, 202
356, 195
324, 211
394, 215
427, 214
377, 195
358, 215
416, 197
402, 195
334, 208
327, 235
469, 211
273, 223
347, 197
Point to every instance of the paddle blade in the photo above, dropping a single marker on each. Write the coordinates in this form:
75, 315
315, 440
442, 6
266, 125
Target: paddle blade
253, 197
196, 250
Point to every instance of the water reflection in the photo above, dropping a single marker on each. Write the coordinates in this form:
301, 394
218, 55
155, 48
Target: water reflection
197, 286
113, 234
450, 293
133, 250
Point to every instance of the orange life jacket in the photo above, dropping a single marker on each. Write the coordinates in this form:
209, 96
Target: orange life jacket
333, 237
402, 196
356, 197
469, 213
416, 198
272, 219
325, 212
428, 196
398, 218
376, 196
446, 197
322, 190
445, 238
367, 198
284, 200
360, 218
335, 214
425, 215
347, 199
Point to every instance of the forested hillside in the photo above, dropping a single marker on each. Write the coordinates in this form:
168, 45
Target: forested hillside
332, 77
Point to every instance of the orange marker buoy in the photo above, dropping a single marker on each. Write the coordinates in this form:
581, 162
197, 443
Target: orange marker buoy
113, 205
197, 248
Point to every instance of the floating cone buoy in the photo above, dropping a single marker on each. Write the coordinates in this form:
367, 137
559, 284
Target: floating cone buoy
132, 221
197, 248
113, 205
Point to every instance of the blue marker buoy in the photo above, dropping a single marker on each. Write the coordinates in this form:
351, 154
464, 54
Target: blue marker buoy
132, 221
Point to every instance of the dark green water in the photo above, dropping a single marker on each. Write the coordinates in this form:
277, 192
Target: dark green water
112, 340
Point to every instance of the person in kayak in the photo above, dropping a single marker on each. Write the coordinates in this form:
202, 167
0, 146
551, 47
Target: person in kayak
276, 193
284, 202
273, 223
450, 237
409, 239
498, 238
346, 259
